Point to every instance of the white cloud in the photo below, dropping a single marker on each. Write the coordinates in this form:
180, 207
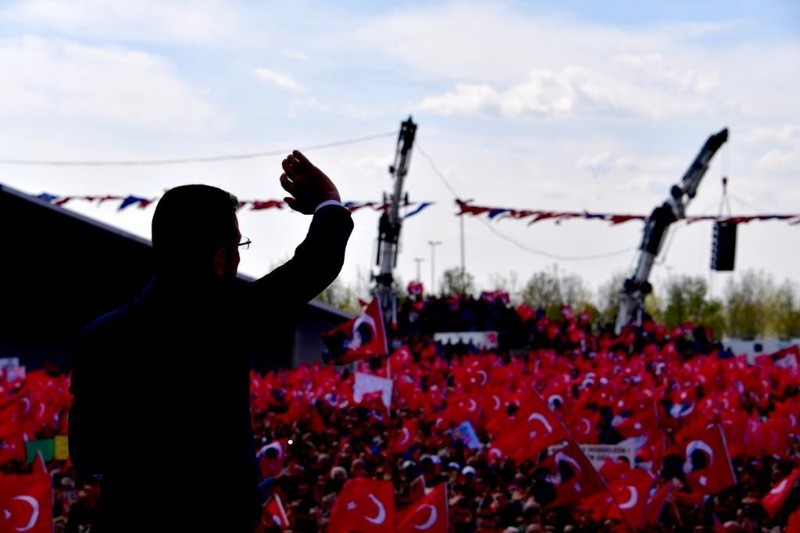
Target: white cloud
484, 60
182, 21
604, 162
347, 110
780, 161
786, 133
781, 155
113, 84
295, 54
278, 79
465, 99
581, 115
573, 90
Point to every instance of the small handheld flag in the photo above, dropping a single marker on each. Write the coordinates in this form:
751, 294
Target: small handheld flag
360, 338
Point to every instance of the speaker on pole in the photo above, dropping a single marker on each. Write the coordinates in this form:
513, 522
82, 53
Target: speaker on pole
723, 247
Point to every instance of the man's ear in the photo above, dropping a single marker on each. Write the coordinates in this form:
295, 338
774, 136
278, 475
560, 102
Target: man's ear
220, 265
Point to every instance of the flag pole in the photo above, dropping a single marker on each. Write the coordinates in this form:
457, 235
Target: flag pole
447, 507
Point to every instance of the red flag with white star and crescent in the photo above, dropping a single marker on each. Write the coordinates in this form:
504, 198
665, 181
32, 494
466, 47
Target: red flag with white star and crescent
364, 505
428, 514
26, 501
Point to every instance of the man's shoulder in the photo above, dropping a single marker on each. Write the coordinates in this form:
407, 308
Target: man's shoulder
118, 318
109, 322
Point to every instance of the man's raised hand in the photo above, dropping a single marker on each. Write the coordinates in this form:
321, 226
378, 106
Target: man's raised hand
307, 185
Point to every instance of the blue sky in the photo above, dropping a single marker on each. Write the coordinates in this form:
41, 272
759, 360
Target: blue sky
530, 105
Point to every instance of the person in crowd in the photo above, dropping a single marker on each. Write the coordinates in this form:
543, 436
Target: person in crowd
161, 385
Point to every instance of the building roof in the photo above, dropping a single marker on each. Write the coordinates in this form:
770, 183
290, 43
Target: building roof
60, 269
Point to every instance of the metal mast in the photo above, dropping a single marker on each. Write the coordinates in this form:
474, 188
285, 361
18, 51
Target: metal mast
637, 287
390, 222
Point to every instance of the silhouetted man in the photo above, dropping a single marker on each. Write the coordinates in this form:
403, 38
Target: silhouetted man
161, 385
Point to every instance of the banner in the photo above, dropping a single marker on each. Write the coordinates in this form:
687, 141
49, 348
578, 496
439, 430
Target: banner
483, 340
598, 453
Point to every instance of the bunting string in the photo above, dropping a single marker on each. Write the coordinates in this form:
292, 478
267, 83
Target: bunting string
464, 208
252, 205
497, 213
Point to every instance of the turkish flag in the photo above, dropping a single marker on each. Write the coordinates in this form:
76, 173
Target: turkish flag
460, 407
655, 504
317, 423
627, 496
793, 525
741, 434
274, 514
708, 467
360, 338
630, 496
776, 497
12, 441
583, 424
271, 457
775, 437
364, 505
536, 428
572, 474
428, 514
26, 501
405, 437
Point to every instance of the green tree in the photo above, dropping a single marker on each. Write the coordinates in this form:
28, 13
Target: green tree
457, 281
509, 283
685, 299
746, 307
784, 311
608, 298
542, 292
714, 318
549, 291
341, 297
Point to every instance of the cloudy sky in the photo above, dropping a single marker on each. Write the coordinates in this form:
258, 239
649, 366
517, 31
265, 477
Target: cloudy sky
557, 105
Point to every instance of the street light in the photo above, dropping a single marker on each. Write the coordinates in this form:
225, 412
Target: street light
418, 260
433, 244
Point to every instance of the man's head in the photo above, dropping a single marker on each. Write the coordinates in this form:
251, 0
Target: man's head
195, 232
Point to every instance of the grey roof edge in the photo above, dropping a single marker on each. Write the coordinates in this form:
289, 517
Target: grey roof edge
72, 214
331, 309
5, 189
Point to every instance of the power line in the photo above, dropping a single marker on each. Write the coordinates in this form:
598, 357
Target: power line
438, 172
554, 256
212, 159
513, 241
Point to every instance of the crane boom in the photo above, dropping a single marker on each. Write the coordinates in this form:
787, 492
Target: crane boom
637, 286
390, 222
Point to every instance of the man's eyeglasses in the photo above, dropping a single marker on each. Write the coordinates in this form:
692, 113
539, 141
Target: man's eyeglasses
244, 244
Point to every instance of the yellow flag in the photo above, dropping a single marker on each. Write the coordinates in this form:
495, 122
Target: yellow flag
62, 447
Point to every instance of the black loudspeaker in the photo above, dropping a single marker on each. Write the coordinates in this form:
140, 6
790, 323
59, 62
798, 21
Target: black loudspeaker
723, 247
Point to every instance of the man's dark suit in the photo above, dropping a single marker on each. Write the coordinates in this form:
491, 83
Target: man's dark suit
162, 391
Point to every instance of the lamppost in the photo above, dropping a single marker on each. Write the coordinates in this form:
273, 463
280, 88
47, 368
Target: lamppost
433, 244
418, 260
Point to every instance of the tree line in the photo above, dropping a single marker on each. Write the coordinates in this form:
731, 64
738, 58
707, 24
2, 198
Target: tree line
752, 306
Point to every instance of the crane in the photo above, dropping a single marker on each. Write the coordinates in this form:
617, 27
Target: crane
636, 287
389, 225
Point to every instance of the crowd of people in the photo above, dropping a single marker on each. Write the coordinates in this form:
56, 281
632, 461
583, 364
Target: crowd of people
650, 389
